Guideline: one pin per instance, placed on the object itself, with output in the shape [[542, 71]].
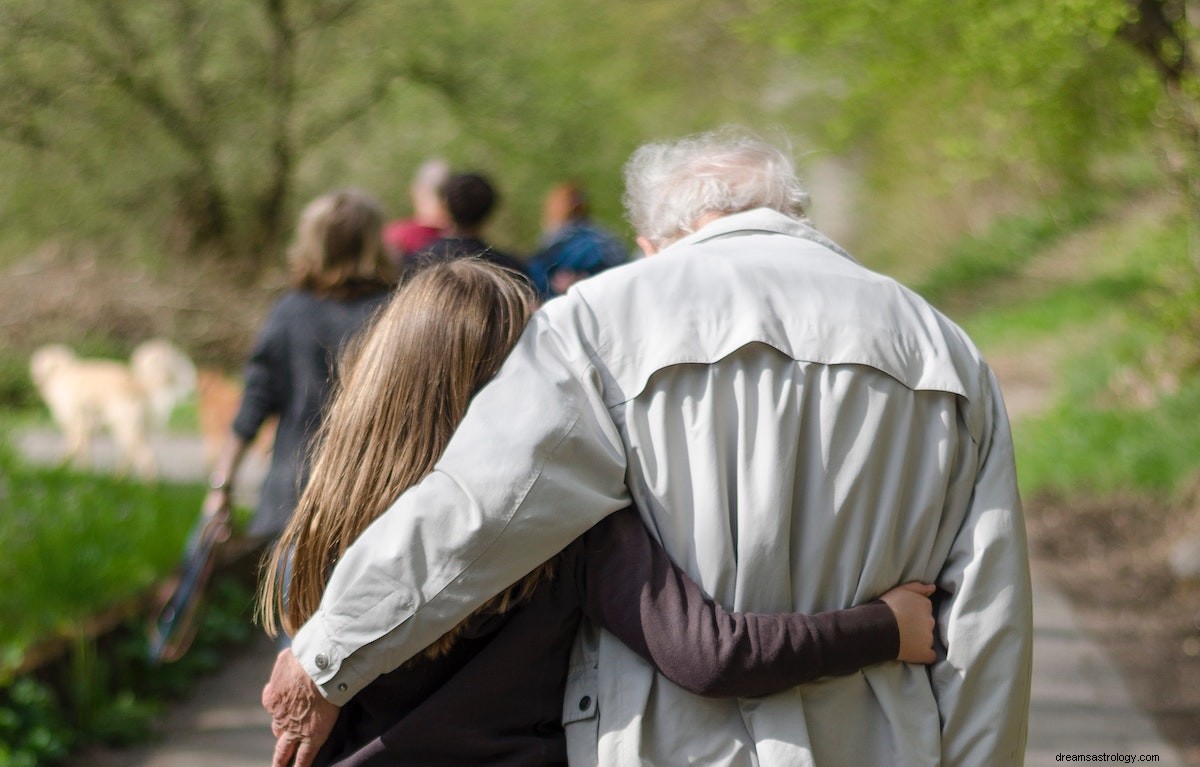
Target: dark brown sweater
[[496, 697]]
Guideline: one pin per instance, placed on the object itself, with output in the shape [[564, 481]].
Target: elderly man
[[799, 432]]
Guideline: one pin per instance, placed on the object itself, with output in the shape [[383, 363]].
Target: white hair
[[431, 174], [672, 185]]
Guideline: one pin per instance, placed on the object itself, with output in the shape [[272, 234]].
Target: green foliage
[[958, 114], [1008, 245], [75, 543], [1088, 304], [16, 387], [78, 545], [1033, 88], [32, 728], [108, 693], [1176, 306], [1084, 445], [180, 126], [1096, 437]]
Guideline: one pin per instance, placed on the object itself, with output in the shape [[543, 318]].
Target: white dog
[[86, 395]]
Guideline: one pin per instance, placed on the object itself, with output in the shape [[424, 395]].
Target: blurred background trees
[[1015, 102], [181, 129], [1032, 166], [200, 127]]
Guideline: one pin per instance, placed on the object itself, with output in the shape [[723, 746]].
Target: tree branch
[[329, 14], [321, 129], [1157, 31], [122, 70]]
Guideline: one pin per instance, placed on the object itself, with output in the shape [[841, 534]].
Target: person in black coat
[[339, 276]]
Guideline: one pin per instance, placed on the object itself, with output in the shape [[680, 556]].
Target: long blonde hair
[[403, 388]]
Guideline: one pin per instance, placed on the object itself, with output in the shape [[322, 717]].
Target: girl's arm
[[633, 589]]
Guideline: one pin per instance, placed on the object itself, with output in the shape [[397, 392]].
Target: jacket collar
[[759, 220]]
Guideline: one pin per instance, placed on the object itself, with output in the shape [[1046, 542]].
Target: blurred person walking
[[407, 237], [338, 277], [470, 200], [573, 246]]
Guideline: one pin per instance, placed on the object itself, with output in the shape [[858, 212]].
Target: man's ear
[[647, 247]]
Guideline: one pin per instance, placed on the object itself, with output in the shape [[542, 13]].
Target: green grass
[[1007, 246], [1084, 305], [1079, 446], [77, 543], [1088, 441]]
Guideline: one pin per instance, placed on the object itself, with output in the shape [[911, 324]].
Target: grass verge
[[76, 543], [1112, 423]]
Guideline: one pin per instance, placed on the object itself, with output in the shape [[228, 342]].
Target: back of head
[[672, 185], [403, 386], [470, 199], [425, 191], [563, 203], [431, 174], [337, 250]]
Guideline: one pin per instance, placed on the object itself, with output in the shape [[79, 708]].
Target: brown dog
[[217, 401]]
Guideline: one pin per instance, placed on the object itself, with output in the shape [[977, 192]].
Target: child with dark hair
[[469, 199]]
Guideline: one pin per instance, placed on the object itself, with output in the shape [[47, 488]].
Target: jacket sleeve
[[264, 377], [632, 588], [986, 619], [490, 512]]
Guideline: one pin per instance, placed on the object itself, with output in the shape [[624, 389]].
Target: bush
[[105, 691], [16, 387], [77, 546], [1007, 246], [77, 543]]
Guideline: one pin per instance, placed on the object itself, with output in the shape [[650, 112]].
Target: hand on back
[[914, 617]]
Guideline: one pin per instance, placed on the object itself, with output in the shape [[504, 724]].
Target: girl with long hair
[[491, 690]]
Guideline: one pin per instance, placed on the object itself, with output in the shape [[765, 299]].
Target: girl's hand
[[914, 617]]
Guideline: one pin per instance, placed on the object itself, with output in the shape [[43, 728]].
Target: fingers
[[924, 589], [284, 748], [305, 754]]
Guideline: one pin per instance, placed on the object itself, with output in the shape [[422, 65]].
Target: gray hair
[[431, 174], [671, 185]]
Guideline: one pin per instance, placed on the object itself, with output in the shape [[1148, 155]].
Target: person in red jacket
[[407, 237]]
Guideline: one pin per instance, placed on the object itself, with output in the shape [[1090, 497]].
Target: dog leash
[[176, 622]]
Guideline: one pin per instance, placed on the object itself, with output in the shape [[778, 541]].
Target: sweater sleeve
[[264, 376], [632, 588]]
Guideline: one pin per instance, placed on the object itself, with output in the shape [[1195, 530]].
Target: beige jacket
[[799, 432]]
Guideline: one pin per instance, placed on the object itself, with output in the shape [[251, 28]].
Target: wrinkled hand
[[914, 617], [301, 719]]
